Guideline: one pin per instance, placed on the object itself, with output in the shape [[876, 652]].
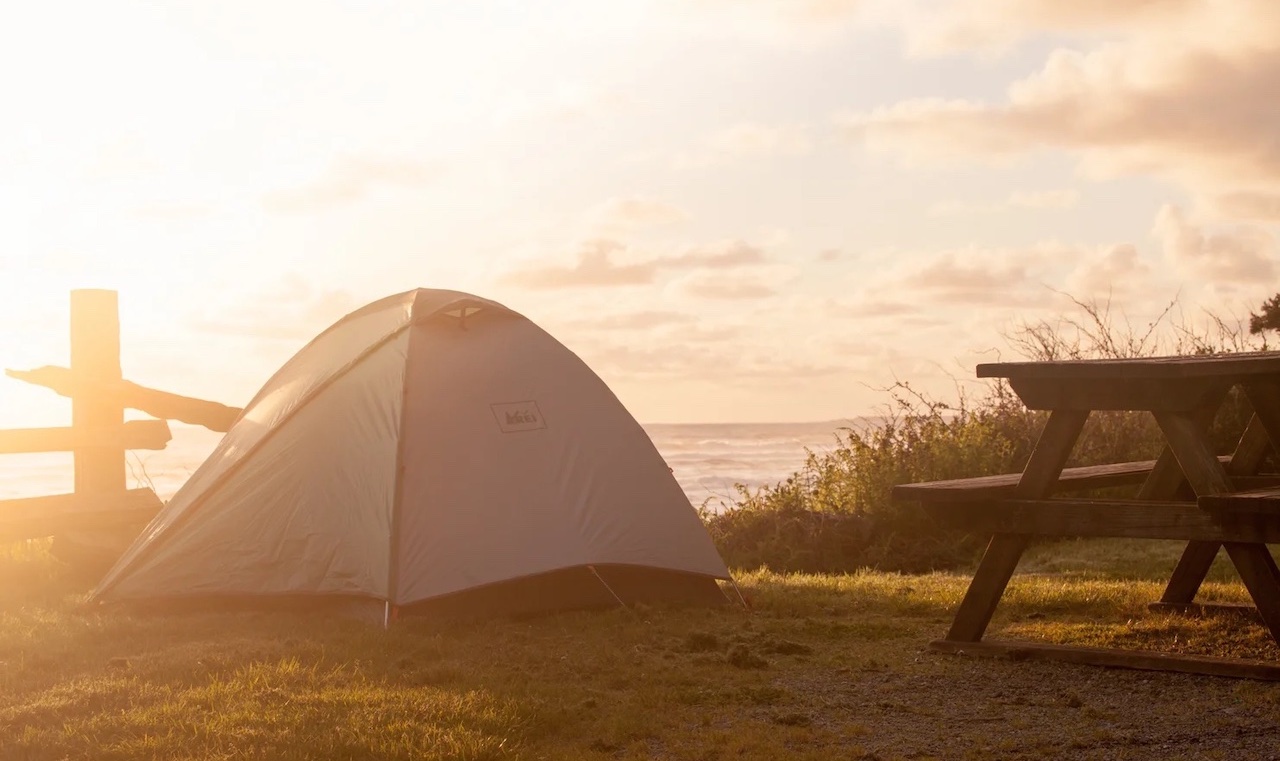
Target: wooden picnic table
[[1183, 394]]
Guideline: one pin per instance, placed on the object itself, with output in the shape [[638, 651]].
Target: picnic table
[[1188, 493]]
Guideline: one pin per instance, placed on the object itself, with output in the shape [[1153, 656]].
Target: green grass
[[782, 680]]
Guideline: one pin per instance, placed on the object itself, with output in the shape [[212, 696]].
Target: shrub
[[835, 513]]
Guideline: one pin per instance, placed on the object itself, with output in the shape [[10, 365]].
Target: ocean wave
[[706, 459]]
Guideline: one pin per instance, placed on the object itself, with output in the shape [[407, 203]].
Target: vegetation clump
[[836, 514]]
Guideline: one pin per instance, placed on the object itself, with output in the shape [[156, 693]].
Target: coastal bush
[[835, 513]]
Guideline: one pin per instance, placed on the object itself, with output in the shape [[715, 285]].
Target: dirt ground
[[947, 706]]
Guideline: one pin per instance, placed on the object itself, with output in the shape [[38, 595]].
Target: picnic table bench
[[1187, 493]]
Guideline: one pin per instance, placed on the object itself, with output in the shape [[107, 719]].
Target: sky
[[732, 210]]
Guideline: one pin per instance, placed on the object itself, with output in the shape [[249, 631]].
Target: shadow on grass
[[78, 682]]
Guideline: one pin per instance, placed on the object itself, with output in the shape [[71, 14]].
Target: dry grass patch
[[823, 666]]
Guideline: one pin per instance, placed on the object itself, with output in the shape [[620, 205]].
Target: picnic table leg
[[1185, 434], [1258, 571], [988, 585], [1265, 398], [1192, 568], [1198, 557], [1003, 552]]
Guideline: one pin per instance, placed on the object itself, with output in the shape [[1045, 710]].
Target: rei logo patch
[[515, 417]]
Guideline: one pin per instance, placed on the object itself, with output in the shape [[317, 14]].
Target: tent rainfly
[[431, 452]]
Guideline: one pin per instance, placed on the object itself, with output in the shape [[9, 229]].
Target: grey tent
[[432, 451]]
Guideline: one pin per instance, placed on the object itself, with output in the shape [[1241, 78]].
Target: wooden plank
[[1189, 573], [1242, 365], [1165, 479], [35, 517], [160, 404], [95, 359], [987, 587], [1134, 519], [1134, 394], [1186, 438], [1250, 451], [1258, 501], [1250, 483], [1052, 449], [1071, 479], [1144, 660], [1264, 395], [1197, 556], [1257, 570], [1005, 549], [134, 434]]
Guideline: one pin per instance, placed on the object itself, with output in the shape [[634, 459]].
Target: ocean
[[706, 458]]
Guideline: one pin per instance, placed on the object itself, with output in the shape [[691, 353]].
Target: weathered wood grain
[[1006, 547], [95, 359], [1133, 519], [1117, 394], [1258, 571], [134, 434], [1187, 440], [1257, 364], [161, 404], [1146, 660], [35, 517], [1071, 479]]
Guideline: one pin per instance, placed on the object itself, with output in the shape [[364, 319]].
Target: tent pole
[[386, 615]]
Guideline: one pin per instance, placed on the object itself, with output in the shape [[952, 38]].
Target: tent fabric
[[428, 444]]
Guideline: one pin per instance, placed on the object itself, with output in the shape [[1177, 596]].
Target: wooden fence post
[[95, 522], [95, 364]]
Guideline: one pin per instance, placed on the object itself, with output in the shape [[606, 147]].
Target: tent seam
[[393, 553], [213, 489]]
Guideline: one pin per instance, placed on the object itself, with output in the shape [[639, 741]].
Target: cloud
[[830, 255], [1192, 99], [636, 321], [728, 287], [1244, 254], [291, 308], [621, 214], [595, 266], [803, 23], [350, 179], [993, 26], [706, 358], [978, 276], [1042, 199], [748, 140], [1111, 270], [172, 212], [747, 283], [972, 281], [725, 254], [1244, 204], [869, 306]]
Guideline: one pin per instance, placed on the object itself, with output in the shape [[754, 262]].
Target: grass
[[823, 666]]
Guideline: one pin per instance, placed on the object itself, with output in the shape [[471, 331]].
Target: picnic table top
[[1193, 366]]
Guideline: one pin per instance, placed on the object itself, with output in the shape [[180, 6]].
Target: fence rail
[[102, 514]]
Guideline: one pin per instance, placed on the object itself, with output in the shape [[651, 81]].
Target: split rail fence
[[101, 503]]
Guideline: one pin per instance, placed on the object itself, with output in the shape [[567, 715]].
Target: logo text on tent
[[514, 417]]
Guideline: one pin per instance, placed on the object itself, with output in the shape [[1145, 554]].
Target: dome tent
[[432, 451]]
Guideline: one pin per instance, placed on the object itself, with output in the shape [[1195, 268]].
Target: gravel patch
[[945, 706]]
